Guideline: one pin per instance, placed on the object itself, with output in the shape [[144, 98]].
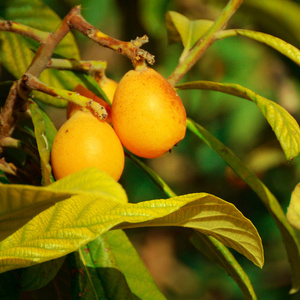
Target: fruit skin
[[147, 114], [80, 89], [109, 87], [85, 141]]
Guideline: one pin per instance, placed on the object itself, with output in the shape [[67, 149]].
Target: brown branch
[[130, 49], [13, 106]]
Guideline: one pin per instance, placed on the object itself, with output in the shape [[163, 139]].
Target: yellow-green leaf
[[293, 211], [20, 203], [180, 28], [283, 124], [288, 234], [278, 44], [74, 222]]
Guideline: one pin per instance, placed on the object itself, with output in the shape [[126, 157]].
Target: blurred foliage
[[193, 167]]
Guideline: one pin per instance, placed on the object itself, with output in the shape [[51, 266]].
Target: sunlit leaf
[[282, 17], [283, 124], [219, 254], [28, 201], [269, 200], [180, 28], [211, 247], [293, 211], [74, 222], [281, 46]]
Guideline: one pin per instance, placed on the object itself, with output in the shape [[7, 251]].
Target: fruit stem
[[33, 83], [193, 55], [88, 66]]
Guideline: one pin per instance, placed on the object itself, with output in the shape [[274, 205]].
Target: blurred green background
[[180, 271]]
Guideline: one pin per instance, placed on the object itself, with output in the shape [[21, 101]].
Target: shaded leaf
[[293, 211], [283, 124], [137, 276], [28, 201], [180, 28], [44, 146], [9, 286], [269, 200], [219, 254], [100, 277], [38, 276], [72, 223]]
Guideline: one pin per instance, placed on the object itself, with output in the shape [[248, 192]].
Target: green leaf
[[38, 276], [9, 286], [43, 143], [219, 254], [269, 200], [293, 211], [100, 277], [278, 17], [180, 28], [283, 124], [278, 44], [211, 247], [28, 201], [137, 276], [17, 51], [72, 223]]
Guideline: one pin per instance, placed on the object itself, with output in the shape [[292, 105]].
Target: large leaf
[[17, 51], [269, 200], [293, 211], [180, 28], [74, 222], [208, 245], [283, 124], [219, 254], [281, 46], [20, 203]]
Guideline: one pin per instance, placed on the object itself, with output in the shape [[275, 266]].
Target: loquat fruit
[[147, 114], [85, 141]]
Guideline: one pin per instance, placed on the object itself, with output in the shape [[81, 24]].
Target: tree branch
[[192, 56]]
